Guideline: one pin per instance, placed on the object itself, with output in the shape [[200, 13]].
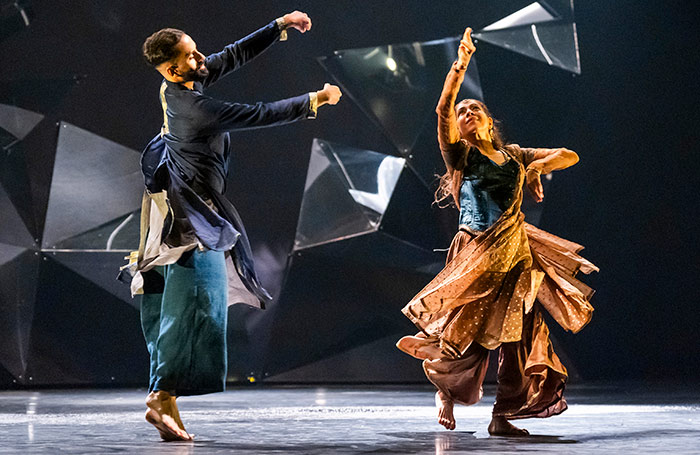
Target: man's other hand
[[297, 20], [330, 94]]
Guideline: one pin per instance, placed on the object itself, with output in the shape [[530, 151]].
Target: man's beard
[[197, 75]]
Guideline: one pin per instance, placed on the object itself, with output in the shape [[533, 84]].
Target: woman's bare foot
[[419, 347], [500, 426], [161, 414], [445, 406]]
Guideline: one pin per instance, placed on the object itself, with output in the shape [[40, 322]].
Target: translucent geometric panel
[[18, 122], [342, 295], [12, 228], [38, 95], [563, 9], [100, 268], [397, 86], [358, 364], [550, 36], [346, 193], [118, 235], [17, 185], [531, 14], [9, 252], [18, 284], [80, 332], [94, 182]]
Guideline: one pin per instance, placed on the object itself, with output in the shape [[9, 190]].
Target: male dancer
[[188, 226]]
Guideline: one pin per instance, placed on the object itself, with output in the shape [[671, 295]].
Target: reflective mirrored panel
[[554, 43], [118, 235], [562, 9], [397, 86], [12, 228], [95, 181], [16, 123], [18, 284], [346, 193]]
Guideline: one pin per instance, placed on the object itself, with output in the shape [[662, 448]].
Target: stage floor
[[346, 420]]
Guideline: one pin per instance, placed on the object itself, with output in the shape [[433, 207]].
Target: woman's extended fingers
[[466, 43], [467, 35]]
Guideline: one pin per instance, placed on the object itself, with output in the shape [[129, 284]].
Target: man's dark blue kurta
[[190, 160]]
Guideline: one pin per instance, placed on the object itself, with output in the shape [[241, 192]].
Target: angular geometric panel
[[534, 13], [17, 121], [359, 364], [397, 86], [343, 295], [18, 288], [543, 31], [563, 9], [413, 217], [82, 334], [12, 228], [553, 43], [94, 181], [100, 268], [17, 185], [38, 95], [121, 234], [9, 252], [346, 193]]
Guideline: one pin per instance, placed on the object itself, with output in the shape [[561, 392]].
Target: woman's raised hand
[[466, 49]]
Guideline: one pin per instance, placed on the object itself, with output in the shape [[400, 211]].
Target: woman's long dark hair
[[451, 181]]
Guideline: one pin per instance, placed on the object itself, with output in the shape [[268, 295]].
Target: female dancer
[[497, 266]]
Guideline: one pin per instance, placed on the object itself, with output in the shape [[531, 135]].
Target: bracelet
[[458, 68], [282, 26], [539, 171]]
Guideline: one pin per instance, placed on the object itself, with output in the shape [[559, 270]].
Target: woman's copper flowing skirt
[[485, 298]]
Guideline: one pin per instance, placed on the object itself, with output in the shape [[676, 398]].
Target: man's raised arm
[[244, 50]]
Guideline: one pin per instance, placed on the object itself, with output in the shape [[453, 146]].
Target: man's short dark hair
[[160, 46]]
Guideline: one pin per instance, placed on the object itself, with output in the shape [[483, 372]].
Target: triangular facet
[[101, 268], [413, 217], [82, 334], [397, 86], [358, 364], [335, 299], [94, 181], [39, 95], [534, 13], [554, 43], [17, 121], [562, 9], [9, 252], [120, 234], [18, 187], [12, 228], [346, 193], [18, 284]]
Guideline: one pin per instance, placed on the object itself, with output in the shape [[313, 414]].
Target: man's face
[[189, 63]]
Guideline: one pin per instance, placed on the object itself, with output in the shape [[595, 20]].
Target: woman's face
[[472, 120]]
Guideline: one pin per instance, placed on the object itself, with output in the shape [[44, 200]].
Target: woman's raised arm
[[448, 134]]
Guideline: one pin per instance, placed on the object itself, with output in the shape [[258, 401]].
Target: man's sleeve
[[226, 116], [241, 52]]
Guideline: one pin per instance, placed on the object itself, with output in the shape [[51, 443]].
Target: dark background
[[631, 116]]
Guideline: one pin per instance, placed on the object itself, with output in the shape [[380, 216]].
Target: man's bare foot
[[161, 415], [445, 406], [419, 347], [176, 416], [500, 426]]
